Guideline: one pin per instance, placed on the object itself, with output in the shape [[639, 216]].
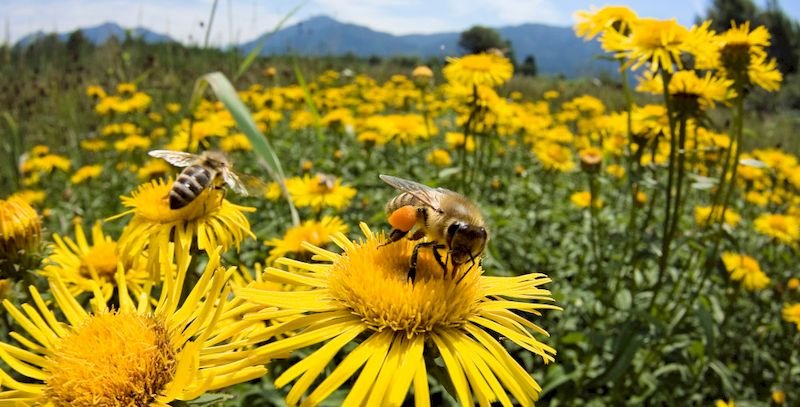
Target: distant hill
[[557, 50], [102, 33]]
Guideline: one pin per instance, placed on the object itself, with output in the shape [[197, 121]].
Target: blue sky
[[241, 20]]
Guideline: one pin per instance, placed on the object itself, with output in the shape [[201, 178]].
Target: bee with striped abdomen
[[450, 221], [210, 169]]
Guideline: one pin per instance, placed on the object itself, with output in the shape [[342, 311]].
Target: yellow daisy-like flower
[[791, 313], [84, 266], [723, 403], [134, 355], [317, 233], [486, 69], [583, 199], [207, 221], [94, 145], [691, 93], [455, 140], [364, 292], [439, 157], [658, 43], [20, 230], [554, 157], [86, 172], [743, 57], [29, 196], [784, 228], [155, 168], [320, 191], [594, 22], [746, 270], [702, 216]]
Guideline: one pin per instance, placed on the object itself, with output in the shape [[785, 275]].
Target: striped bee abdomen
[[402, 200], [189, 184]]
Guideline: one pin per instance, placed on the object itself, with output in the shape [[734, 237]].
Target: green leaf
[[256, 51], [623, 299], [210, 399], [724, 375], [309, 102], [266, 154]]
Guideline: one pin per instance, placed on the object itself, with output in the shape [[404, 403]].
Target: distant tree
[[76, 44], [480, 39], [722, 12], [528, 67], [785, 42]]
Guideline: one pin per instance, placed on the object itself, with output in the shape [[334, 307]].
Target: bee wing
[[233, 181], [427, 195], [176, 158], [244, 184]]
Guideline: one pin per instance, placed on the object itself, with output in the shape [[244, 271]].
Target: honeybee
[[210, 169], [450, 221]]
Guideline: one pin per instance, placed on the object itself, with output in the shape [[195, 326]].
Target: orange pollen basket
[[403, 218]]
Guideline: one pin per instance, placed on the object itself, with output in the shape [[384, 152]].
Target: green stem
[[663, 261]]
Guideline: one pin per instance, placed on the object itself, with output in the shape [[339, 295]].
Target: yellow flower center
[[660, 34], [478, 62], [102, 258], [371, 280], [152, 203], [779, 224], [113, 359]]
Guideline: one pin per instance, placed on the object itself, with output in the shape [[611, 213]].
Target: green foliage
[[479, 39]]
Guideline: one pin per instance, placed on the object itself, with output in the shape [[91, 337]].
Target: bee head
[[465, 241]]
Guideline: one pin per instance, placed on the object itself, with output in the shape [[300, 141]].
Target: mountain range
[[557, 50]]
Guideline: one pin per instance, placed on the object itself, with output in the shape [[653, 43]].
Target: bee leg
[[464, 274], [417, 235], [412, 269], [438, 257], [394, 236]]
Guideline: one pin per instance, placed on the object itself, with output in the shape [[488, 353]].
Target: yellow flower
[[791, 313], [95, 91], [554, 157], [133, 142], [591, 159], [723, 403], [320, 191], [20, 231], [616, 18], [702, 215], [793, 283], [84, 266], [746, 270], [778, 396], [756, 198], [658, 43], [641, 198], [455, 140], [126, 87], [209, 218], [743, 57], [236, 142], [691, 93], [153, 169], [317, 233], [439, 158], [133, 355], [365, 292], [582, 199], [616, 171], [94, 145], [29, 196], [86, 172], [486, 69], [551, 94], [784, 228], [173, 107]]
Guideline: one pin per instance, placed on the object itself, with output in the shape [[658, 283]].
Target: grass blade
[[255, 52], [226, 94], [309, 101]]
